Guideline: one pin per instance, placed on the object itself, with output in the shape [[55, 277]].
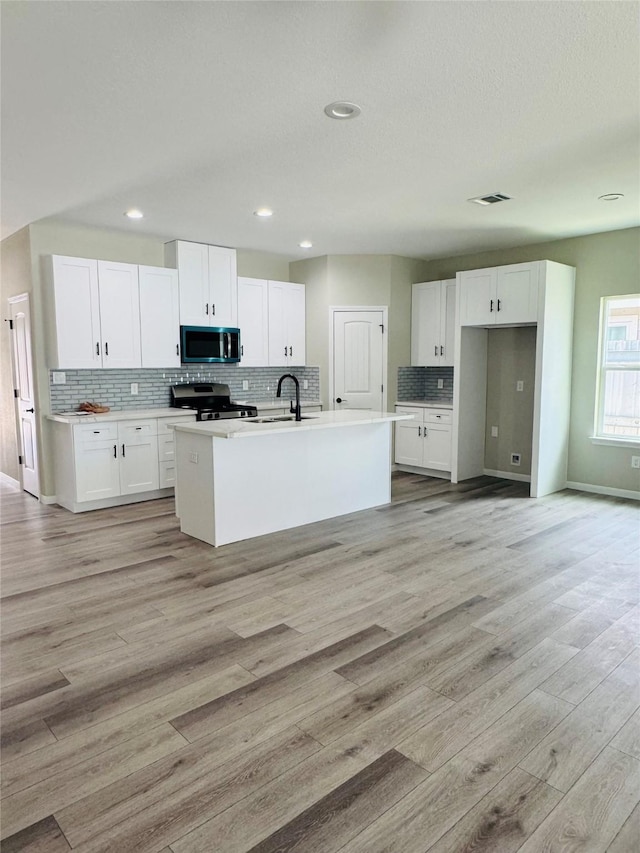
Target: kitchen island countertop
[[118, 415], [425, 404]]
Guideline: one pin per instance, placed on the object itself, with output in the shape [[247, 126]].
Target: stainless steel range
[[210, 400]]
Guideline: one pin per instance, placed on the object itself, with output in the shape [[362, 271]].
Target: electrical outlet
[[515, 458], [58, 377], [635, 461], [440, 383], [494, 432], [134, 387], [520, 385], [193, 457], [245, 384], [305, 384]]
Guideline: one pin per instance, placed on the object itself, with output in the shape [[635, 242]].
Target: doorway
[[358, 351], [23, 383]]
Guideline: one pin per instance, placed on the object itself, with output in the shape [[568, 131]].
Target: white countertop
[[241, 428], [119, 415], [425, 404]]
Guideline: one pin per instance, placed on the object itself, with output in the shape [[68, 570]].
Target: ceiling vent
[[492, 198]]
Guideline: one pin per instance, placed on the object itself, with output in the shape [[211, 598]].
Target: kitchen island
[[246, 477]]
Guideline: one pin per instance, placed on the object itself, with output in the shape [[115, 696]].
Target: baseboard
[[508, 475], [605, 490], [9, 480], [424, 472], [48, 499]]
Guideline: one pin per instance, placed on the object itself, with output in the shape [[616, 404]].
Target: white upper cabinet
[[75, 333], [97, 313], [287, 338], [159, 317], [119, 314], [208, 283], [433, 306], [500, 296], [253, 320]]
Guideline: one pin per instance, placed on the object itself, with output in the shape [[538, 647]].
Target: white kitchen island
[[237, 478]]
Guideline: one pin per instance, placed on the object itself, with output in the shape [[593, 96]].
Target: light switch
[[440, 383], [520, 385], [305, 384], [245, 384], [134, 387], [58, 377], [193, 457], [494, 432]]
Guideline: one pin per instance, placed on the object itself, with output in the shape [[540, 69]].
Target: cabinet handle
[[241, 349], [206, 308], [285, 352], [441, 350], [123, 453], [138, 427], [491, 307], [213, 309], [498, 304], [419, 432], [424, 433], [435, 350], [97, 349], [290, 350], [106, 349], [115, 451], [177, 349]]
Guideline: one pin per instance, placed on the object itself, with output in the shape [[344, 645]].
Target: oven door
[[207, 344]]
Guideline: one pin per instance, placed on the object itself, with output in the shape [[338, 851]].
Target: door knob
[[340, 400], [29, 410]]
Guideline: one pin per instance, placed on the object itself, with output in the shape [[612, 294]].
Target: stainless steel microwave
[[206, 344]]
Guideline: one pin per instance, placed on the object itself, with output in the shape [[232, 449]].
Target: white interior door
[[25, 392], [359, 357]]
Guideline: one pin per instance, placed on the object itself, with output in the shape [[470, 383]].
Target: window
[[618, 391]]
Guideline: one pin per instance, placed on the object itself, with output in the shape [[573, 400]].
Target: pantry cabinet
[[433, 312], [287, 338], [499, 296], [159, 317], [95, 313], [207, 282], [253, 321], [424, 442]]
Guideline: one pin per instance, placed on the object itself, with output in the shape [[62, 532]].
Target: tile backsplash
[[113, 387], [421, 383]]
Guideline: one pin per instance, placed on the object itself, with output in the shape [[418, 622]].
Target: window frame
[[599, 436]]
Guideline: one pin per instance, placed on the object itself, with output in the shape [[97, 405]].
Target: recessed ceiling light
[[306, 244], [342, 109], [610, 196], [134, 213], [263, 211]]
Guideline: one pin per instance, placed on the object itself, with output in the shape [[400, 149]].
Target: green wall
[[606, 264]]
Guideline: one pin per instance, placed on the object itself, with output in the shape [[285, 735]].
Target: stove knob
[[217, 414]]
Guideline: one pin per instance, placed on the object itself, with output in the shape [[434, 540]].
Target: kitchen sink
[[277, 419]]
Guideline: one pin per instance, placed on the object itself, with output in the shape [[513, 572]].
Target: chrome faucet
[[294, 411]]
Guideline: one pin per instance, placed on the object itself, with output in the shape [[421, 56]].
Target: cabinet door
[[447, 321], [159, 317], [437, 447], [278, 343], [77, 313], [119, 314], [253, 320], [296, 324], [408, 435], [223, 287], [138, 446], [517, 294], [477, 296], [97, 470], [425, 324], [192, 261]]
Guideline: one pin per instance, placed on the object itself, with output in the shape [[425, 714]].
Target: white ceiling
[[200, 112]]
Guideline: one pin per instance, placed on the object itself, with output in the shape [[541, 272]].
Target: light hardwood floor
[[458, 671]]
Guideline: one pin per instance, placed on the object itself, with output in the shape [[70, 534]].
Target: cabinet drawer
[[167, 474], [86, 433], [437, 416], [166, 448], [405, 410], [132, 432]]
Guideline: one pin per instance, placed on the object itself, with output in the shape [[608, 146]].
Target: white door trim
[[333, 310]]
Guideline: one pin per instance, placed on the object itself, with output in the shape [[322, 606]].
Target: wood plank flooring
[[457, 672]]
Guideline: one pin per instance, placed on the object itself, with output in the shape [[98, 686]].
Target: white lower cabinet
[[112, 463], [424, 442]]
